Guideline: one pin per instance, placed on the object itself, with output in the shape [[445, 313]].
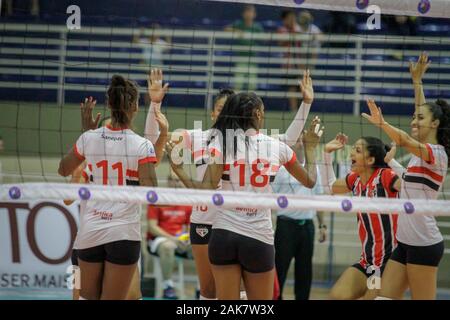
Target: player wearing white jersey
[[108, 239], [84, 175], [241, 242], [414, 263], [195, 141]]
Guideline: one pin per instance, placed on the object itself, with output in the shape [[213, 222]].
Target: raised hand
[[337, 143], [376, 116], [418, 69], [87, 120], [391, 153], [156, 90], [174, 154], [162, 121], [311, 137], [306, 87]]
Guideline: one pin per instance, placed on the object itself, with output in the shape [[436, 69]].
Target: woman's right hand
[[162, 122], [306, 88], [156, 90], [418, 69], [391, 153], [337, 143], [174, 156], [87, 119]]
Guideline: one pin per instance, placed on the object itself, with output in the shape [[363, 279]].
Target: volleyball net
[[219, 199], [48, 68]]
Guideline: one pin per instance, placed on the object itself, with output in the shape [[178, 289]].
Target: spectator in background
[[167, 227], [402, 26], [153, 47], [32, 6], [305, 20], [291, 67], [246, 72], [294, 233]]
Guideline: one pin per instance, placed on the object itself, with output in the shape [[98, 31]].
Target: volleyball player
[[195, 140], [415, 261], [369, 177], [108, 240], [83, 174], [241, 242]]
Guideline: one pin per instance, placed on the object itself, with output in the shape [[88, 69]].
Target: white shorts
[[154, 244]]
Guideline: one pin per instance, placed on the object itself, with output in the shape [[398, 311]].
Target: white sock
[[243, 295], [205, 298], [382, 298], [168, 283], [81, 298]]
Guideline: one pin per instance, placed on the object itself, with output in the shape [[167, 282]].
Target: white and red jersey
[[422, 180], [113, 157], [257, 161], [377, 232], [196, 141]]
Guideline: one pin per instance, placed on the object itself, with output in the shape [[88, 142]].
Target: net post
[[210, 73], [61, 67], [358, 72]]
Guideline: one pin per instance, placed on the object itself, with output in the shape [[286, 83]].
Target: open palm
[[311, 138], [418, 69], [306, 87], [156, 90], [88, 122], [337, 143], [376, 116]]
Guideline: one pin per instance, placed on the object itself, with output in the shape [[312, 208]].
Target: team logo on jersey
[[201, 231]]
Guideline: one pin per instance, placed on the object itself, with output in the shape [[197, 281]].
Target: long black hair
[[377, 149], [237, 114], [441, 111]]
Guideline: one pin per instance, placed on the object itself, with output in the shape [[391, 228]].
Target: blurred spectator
[[246, 72], [294, 233], [291, 68], [307, 26], [10, 7], [401, 26], [166, 236], [153, 47]]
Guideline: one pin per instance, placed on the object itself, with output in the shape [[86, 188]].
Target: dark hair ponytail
[[237, 113], [225, 92], [377, 149], [122, 95], [441, 111]]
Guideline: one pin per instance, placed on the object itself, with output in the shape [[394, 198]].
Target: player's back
[[113, 156], [256, 162]]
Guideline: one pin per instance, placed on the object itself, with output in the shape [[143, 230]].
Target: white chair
[[178, 281]]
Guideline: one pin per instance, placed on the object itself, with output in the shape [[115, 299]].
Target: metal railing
[[199, 61]]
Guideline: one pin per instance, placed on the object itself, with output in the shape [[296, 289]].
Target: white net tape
[[220, 198]]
